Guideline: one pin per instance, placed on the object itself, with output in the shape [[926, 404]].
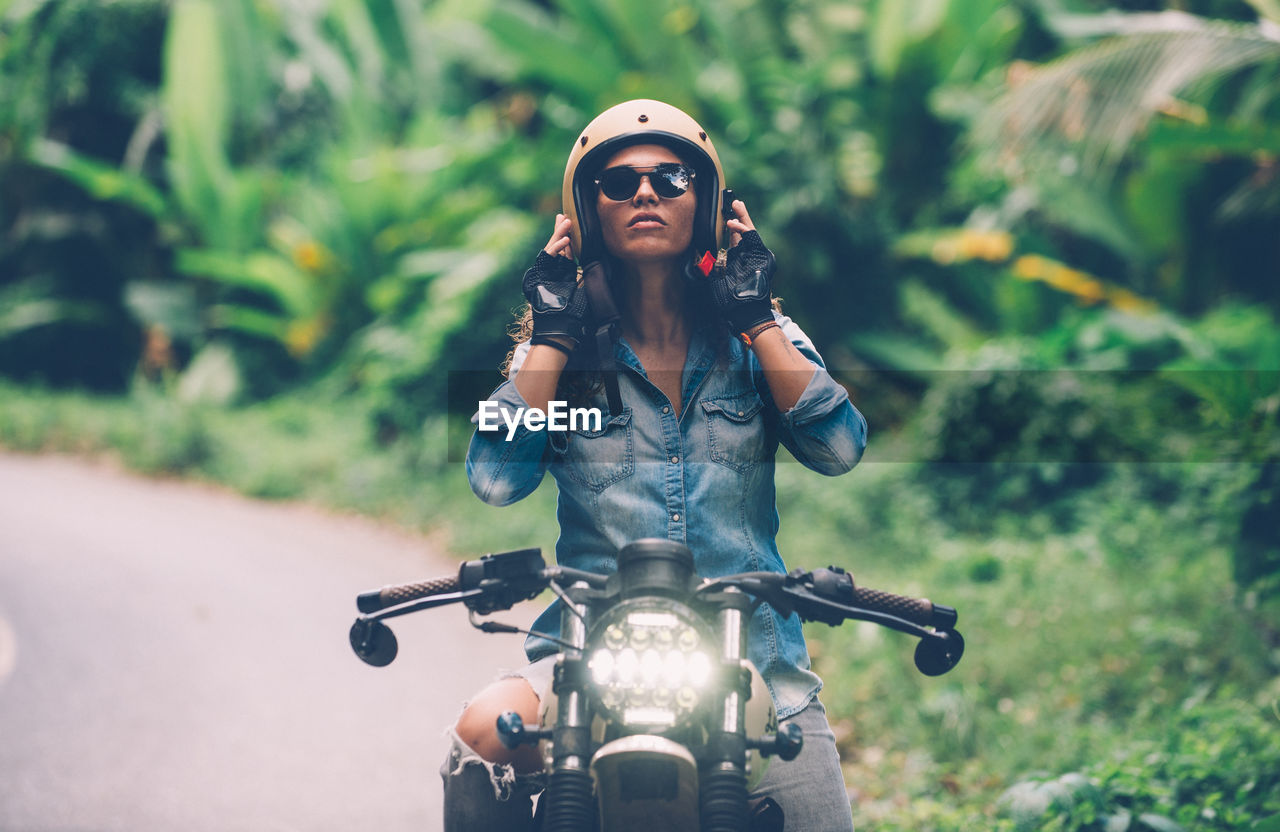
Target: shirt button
[[666, 409], [740, 413], [675, 459], [675, 518]]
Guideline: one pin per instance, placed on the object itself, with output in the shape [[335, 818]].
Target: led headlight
[[649, 662]]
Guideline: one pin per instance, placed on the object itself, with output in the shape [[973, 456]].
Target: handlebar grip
[[389, 596], [916, 610]]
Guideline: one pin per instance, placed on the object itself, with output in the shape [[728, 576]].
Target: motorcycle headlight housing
[[650, 662]]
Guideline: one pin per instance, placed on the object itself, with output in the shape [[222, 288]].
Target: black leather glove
[[742, 290], [559, 304]]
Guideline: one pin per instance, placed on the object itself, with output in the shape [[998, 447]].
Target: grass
[[1094, 645], [1115, 677], [299, 447]]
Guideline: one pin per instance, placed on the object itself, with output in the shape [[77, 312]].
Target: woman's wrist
[[563, 343], [539, 376], [750, 335]]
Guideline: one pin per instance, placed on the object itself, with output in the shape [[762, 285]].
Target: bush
[[1216, 768]]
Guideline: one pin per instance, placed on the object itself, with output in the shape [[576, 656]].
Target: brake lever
[[812, 607], [423, 604], [939, 650], [940, 647]]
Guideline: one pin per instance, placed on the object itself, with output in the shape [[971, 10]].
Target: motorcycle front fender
[[646, 783]]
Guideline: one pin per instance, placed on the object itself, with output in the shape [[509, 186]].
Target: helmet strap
[[605, 312]]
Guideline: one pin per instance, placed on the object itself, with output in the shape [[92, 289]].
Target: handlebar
[[499, 581], [829, 595], [834, 584], [389, 596], [502, 579], [917, 610]]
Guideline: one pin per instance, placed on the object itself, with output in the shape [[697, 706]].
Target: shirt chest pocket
[[599, 458], [735, 430]]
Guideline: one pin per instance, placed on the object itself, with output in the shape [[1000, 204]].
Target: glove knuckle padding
[[557, 301], [753, 287], [751, 253], [548, 268], [743, 288]]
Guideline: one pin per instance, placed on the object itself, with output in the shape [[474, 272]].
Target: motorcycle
[[655, 715]]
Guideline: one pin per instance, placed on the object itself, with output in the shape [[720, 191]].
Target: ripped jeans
[[810, 789], [482, 795]]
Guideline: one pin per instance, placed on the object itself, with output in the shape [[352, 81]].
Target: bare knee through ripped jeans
[[479, 794]]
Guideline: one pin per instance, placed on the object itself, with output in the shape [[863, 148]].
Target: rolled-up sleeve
[[823, 431], [506, 465]]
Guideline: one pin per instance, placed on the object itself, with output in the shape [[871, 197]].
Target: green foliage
[[1217, 767], [197, 125], [1019, 420], [152, 433], [1142, 60], [1256, 562], [100, 181], [169, 436], [346, 154], [1104, 636], [75, 227], [1155, 184]]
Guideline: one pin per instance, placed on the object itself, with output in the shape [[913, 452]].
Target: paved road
[[174, 657]]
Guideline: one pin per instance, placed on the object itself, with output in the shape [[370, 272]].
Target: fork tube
[[570, 800], [723, 787], [573, 713], [732, 647]]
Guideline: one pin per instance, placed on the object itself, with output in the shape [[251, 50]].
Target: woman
[[709, 379]]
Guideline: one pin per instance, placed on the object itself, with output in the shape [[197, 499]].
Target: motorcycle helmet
[[642, 121]]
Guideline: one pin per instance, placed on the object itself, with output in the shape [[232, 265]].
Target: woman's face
[[646, 227]]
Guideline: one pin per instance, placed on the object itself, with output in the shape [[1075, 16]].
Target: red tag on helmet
[[706, 264]]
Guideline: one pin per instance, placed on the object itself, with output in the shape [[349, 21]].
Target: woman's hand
[[560, 242], [558, 303], [740, 224], [743, 288]]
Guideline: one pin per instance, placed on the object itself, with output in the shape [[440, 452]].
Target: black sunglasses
[[668, 180]]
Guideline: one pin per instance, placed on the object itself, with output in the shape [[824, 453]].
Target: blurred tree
[[80, 74], [350, 189], [1169, 126]]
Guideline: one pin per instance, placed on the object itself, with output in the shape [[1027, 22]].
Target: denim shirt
[[704, 479]]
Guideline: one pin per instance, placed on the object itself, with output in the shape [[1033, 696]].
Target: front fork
[[723, 786], [571, 805], [569, 796]]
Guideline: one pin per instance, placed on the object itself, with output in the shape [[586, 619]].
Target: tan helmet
[[643, 121]]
